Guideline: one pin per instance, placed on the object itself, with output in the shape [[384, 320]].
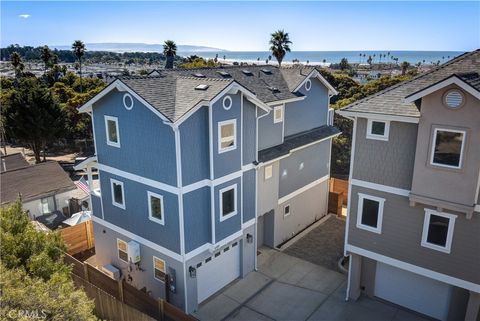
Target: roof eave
[[400, 118], [315, 73]]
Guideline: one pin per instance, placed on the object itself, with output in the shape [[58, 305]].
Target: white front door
[[413, 291], [218, 270]]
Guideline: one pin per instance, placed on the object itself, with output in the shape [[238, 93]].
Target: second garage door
[[413, 291], [218, 270]]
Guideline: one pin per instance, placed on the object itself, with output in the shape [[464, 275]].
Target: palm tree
[[170, 51], [78, 48], [17, 63], [46, 55], [279, 45]]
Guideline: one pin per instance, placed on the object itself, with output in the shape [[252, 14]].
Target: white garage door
[[412, 291], [217, 272]]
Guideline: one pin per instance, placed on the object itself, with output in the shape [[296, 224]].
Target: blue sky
[[247, 25]]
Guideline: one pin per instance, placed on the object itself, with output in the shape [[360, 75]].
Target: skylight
[[266, 71], [201, 87], [273, 89], [199, 75], [247, 72], [223, 73]]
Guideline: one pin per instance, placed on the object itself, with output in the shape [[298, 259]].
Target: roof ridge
[[31, 166], [204, 78], [381, 92]]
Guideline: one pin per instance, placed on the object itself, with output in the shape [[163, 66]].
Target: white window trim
[[451, 226], [118, 250], [289, 210], [275, 120], [109, 142], [308, 85], [219, 134], [225, 99], [125, 96], [385, 135], [112, 181], [164, 267], [381, 203], [432, 151], [220, 200], [150, 216], [265, 172]]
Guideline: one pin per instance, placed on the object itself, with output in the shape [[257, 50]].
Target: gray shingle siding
[[402, 233], [386, 162]]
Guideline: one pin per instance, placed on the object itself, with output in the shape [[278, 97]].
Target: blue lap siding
[[232, 224], [197, 217]]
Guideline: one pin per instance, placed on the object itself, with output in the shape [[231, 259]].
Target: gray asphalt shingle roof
[[295, 75], [390, 101], [13, 161], [34, 181], [174, 95]]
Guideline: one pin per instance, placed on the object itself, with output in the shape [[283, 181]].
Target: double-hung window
[[118, 194], [111, 127], [122, 249], [438, 230], [227, 140], [155, 208], [277, 114], [370, 213], [228, 202], [159, 269], [378, 129], [447, 148]]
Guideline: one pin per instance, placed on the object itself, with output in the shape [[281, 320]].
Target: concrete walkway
[[289, 288]]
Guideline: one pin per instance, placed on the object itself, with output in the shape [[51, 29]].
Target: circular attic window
[[454, 99], [227, 102], [308, 85], [128, 101]]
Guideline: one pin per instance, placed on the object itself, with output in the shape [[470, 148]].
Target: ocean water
[[318, 57]]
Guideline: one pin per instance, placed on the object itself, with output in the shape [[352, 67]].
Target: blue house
[[199, 168]]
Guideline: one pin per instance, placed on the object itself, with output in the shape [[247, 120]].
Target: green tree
[[33, 276], [33, 116], [280, 45], [405, 65], [17, 63], [78, 48], [170, 51], [344, 65], [46, 56]]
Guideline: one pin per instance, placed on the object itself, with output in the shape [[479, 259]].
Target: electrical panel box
[[111, 271], [133, 252]]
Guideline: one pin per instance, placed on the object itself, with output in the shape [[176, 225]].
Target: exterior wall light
[[192, 271]]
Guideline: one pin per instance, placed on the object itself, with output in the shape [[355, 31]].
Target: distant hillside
[[137, 47]]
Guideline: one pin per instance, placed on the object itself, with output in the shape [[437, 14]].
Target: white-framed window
[[118, 193], [268, 171], [48, 204], [159, 269], [155, 208], [227, 103], [378, 129], [286, 210], [370, 213], [228, 202], [438, 229], [227, 139], [308, 85], [111, 128], [447, 148], [277, 114], [122, 249]]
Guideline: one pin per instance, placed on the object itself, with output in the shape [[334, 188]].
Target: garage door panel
[[412, 291], [218, 272]]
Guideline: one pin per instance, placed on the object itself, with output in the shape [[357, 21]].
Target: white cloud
[[24, 16]]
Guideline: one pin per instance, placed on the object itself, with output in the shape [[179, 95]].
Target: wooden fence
[[118, 300], [340, 186], [78, 238]]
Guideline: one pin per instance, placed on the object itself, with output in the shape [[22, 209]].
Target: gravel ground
[[322, 246]]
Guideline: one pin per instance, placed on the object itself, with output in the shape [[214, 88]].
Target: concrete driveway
[[289, 288]]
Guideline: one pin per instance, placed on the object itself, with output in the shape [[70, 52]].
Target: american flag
[[82, 184]]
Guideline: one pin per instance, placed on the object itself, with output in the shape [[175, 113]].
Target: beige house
[[413, 226]]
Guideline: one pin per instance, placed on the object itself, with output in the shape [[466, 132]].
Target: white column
[[90, 178]]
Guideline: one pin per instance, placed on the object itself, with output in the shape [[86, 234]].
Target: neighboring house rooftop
[[390, 101], [13, 161], [34, 182], [298, 140]]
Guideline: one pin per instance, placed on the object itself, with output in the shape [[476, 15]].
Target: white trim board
[[380, 187], [139, 239], [303, 189], [314, 73], [446, 82], [404, 119], [414, 268]]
